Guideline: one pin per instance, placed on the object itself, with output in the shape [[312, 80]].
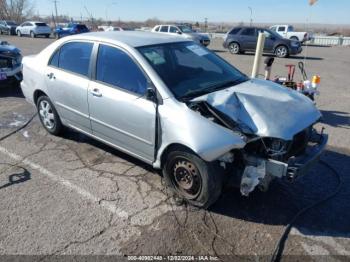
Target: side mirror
[[179, 32], [151, 94]]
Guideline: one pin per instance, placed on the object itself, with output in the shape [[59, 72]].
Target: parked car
[[287, 31], [184, 31], [177, 106], [8, 27], [10, 64], [242, 39], [71, 29], [33, 29]]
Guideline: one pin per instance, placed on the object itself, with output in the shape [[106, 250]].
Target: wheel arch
[[173, 147], [38, 93]]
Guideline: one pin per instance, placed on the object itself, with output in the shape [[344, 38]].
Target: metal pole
[[258, 54], [55, 2], [251, 15]]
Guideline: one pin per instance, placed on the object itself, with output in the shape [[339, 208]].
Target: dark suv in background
[[241, 39], [8, 27]]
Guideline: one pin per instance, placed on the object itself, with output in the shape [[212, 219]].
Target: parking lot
[[72, 195]]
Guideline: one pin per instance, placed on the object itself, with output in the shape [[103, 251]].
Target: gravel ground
[[71, 195]]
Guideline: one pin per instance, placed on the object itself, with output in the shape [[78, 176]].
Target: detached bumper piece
[[260, 172], [298, 166]]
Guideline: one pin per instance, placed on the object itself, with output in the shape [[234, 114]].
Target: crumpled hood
[[6, 48], [265, 108]]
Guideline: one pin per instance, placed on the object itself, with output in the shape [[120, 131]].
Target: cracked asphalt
[[72, 195]]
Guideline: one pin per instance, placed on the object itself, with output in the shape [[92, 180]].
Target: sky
[[263, 11]]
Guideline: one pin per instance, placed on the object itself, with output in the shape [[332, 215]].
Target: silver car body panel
[[178, 124], [265, 109]]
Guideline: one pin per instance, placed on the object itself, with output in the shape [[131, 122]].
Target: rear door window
[[249, 32], [116, 68], [235, 31], [75, 57], [164, 29]]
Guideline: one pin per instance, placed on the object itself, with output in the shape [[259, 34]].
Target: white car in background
[[33, 29], [185, 31], [287, 31], [113, 28]]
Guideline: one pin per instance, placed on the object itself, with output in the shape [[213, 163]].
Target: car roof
[[131, 38]]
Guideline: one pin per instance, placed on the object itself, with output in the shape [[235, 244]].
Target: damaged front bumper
[[259, 172]]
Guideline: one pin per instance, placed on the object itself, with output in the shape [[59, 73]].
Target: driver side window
[[116, 68], [173, 29]]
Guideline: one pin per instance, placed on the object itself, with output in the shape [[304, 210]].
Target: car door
[[67, 78], [119, 111], [248, 38], [282, 30], [22, 28], [27, 27], [269, 40]]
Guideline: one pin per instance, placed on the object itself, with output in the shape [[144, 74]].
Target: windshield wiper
[[195, 93]]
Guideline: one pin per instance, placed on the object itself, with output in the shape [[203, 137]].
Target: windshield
[[185, 29], [190, 70]]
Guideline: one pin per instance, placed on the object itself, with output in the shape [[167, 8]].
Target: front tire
[[192, 179], [32, 35], [48, 115], [282, 51], [19, 33], [234, 48]]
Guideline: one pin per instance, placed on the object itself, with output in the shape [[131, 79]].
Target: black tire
[[205, 185], [0, 32], [234, 48], [282, 51], [32, 35], [294, 38], [47, 36], [56, 126], [57, 36], [19, 33]]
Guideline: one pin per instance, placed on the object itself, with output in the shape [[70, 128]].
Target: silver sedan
[[177, 106]]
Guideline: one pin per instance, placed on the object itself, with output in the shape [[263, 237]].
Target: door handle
[[51, 76], [96, 92]]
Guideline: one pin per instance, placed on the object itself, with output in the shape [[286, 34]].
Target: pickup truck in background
[[287, 31]]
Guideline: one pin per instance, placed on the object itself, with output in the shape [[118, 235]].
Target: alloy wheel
[[46, 114]]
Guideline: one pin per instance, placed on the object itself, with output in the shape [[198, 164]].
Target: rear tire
[[19, 33], [47, 36], [32, 35], [192, 179], [234, 48], [48, 115]]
